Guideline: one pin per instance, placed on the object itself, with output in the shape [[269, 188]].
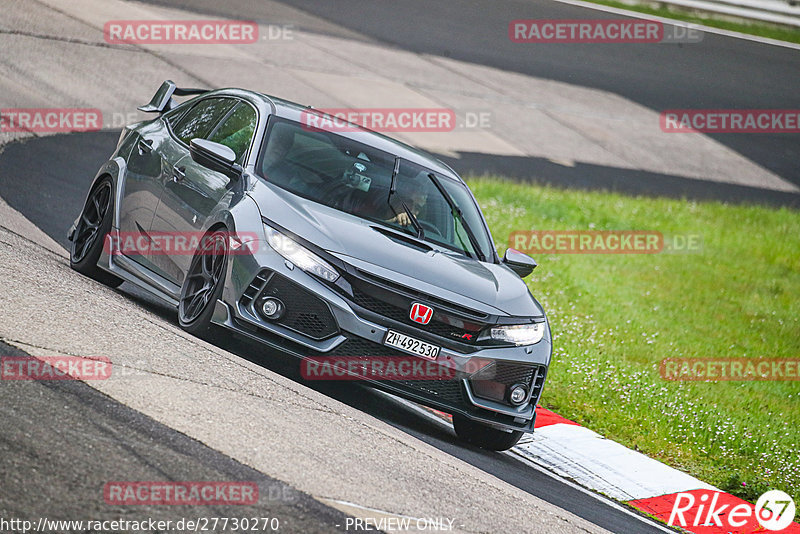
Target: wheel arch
[[114, 169]]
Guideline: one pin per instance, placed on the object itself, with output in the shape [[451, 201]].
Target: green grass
[[781, 33], [615, 317]]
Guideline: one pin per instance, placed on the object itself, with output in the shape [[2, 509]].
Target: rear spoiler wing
[[162, 101]]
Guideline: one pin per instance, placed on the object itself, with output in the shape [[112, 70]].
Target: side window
[[174, 115], [236, 131], [199, 120]]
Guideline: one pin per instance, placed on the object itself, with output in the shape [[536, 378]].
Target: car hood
[[485, 287]]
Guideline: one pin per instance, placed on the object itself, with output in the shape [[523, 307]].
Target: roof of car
[[294, 111]]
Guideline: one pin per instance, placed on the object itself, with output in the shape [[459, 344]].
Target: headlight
[[300, 256], [522, 334]]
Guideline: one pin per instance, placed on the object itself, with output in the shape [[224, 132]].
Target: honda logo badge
[[420, 313]]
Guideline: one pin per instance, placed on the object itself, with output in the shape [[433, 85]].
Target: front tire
[[93, 226], [203, 285], [483, 436]]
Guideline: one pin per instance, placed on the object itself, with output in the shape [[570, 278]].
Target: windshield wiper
[[414, 222], [457, 211], [392, 190], [392, 186]]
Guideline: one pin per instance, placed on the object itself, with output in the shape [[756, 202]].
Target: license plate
[[411, 345]]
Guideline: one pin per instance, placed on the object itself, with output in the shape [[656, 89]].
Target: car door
[[151, 157], [194, 192]]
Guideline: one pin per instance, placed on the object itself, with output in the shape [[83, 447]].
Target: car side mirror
[[519, 262], [216, 157]]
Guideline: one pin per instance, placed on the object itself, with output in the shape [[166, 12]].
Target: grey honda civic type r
[[327, 243]]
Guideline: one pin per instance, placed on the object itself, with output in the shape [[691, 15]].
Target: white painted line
[[740, 11], [604, 465], [773, 6], [674, 22]]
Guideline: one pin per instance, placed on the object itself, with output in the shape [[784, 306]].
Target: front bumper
[[320, 322]]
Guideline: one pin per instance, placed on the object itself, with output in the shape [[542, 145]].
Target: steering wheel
[[428, 226]]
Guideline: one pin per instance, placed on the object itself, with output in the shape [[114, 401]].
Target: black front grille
[[446, 390], [396, 305], [378, 306], [397, 313], [304, 312], [376, 281], [357, 347]]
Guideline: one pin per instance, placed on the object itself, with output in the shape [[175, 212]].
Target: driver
[[414, 198], [412, 192]]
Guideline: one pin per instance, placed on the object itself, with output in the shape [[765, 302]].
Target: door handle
[[178, 174], [145, 146]]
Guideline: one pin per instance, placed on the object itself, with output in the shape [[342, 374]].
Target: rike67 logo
[[774, 511]]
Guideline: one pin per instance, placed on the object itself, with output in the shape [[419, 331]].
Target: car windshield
[[371, 184]]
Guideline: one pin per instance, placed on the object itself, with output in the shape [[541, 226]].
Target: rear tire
[[203, 285], [93, 226], [483, 436]]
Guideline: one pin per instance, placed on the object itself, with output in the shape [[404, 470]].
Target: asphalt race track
[[103, 434]]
